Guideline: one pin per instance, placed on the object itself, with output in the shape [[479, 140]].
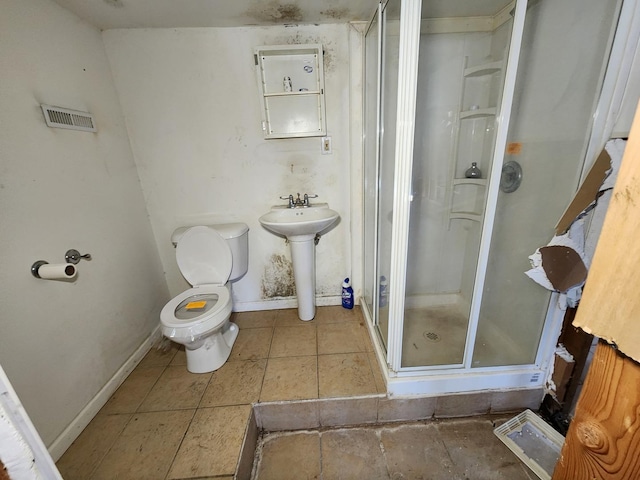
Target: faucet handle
[[307, 197], [290, 199]]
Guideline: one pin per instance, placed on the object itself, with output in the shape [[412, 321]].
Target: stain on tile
[[175, 389], [265, 318], [290, 415], [293, 341], [348, 411], [180, 358], [146, 447], [338, 314], [341, 338], [252, 344], [160, 355], [353, 453], [235, 383], [290, 457], [345, 374], [86, 452], [212, 444], [133, 390], [289, 318], [290, 378]]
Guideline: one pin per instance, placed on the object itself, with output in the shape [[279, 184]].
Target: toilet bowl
[[209, 257]]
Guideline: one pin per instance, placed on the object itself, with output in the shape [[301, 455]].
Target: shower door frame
[[443, 379]]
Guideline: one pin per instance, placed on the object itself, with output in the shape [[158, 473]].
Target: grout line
[[117, 437], [181, 442]]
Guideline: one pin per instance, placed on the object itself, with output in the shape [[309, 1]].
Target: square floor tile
[[235, 383], [345, 374], [133, 390], [417, 452], [212, 443], [293, 341], [289, 318], [146, 447], [252, 344], [338, 314], [160, 355], [290, 378], [264, 319], [180, 358], [86, 452], [353, 453], [177, 388], [341, 338], [290, 457]]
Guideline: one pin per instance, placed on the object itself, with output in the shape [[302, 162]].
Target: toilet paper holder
[[74, 256], [61, 272]]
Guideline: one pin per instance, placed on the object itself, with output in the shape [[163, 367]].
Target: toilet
[[209, 258]]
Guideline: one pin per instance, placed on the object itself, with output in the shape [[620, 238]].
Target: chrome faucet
[[299, 202], [291, 202]]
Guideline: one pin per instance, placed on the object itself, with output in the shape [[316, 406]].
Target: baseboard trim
[[282, 303], [78, 424]]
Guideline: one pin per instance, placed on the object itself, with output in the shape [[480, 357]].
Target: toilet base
[[214, 351]]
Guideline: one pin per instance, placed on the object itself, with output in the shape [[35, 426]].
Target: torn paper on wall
[[561, 266]]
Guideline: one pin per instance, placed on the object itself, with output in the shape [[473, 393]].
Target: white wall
[[190, 99], [59, 189]]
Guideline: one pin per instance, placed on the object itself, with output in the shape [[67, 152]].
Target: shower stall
[[477, 120]]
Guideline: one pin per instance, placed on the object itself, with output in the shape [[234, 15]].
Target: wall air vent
[[57, 117]]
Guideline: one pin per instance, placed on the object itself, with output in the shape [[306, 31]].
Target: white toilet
[[209, 257]]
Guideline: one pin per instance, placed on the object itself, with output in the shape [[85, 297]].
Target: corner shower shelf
[[478, 113], [484, 69], [475, 217], [470, 181]]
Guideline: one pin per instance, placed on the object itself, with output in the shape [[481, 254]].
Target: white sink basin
[[296, 221]]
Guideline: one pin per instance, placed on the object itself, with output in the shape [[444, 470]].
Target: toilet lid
[[204, 257]]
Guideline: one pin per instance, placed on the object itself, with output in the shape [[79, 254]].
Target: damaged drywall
[[563, 264]]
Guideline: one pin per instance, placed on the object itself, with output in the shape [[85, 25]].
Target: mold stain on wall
[[275, 12], [277, 279]]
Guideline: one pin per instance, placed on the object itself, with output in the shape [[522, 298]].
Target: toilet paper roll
[[57, 271]]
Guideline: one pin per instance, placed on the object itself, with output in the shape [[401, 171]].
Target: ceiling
[[107, 14]]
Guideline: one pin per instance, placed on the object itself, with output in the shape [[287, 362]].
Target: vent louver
[[57, 117]]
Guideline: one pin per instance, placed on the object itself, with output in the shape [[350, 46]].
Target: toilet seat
[[198, 324], [204, 257]]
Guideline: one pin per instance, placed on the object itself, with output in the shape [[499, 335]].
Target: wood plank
[[610, 306], [603, 440]]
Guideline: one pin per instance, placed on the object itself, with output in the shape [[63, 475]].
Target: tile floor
[[166, 423], [438, 450]]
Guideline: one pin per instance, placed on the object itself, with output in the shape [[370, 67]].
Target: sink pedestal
[[303, 257], [300, 225]]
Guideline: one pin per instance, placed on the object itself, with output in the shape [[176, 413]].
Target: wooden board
[[603, 440], [610, 305]]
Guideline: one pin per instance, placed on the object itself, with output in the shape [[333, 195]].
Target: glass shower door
[[380, 157], [461, 73]]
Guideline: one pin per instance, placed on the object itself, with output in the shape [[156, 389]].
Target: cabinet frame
[[300, 110]]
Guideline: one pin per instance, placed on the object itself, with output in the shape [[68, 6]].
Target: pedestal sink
[[300, 225]]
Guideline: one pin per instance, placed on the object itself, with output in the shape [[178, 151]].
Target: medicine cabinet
[[291, 83]]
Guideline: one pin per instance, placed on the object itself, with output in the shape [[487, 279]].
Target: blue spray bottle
[[347, 294]]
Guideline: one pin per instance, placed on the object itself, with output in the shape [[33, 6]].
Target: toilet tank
[[237, 237]]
